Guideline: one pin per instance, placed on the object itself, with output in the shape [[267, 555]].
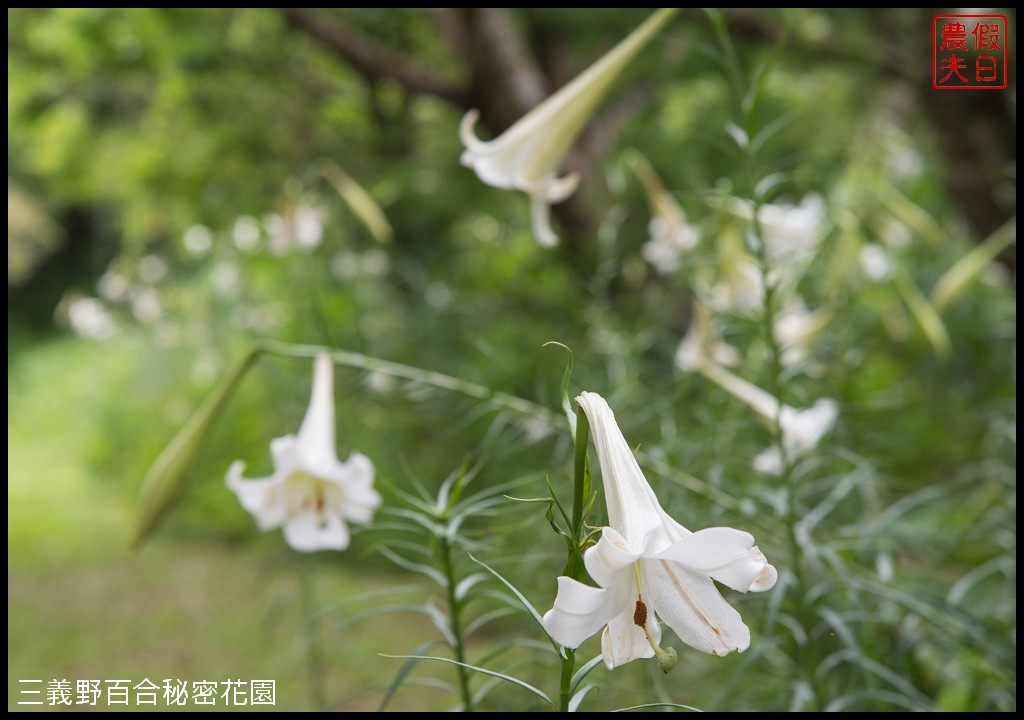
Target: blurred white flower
[[113, 286], [896, 234], [737, 284], [791, 231], [349, 265], [671, 236], [700, 345], [198, 240], [875, 263], [529, 154], [226, 278], [152, 269], [671, 239], [795, 330], [300, 227], [246, 233], [146, 305], [88, 316], [648, 566], [801, 430], [311, 494]]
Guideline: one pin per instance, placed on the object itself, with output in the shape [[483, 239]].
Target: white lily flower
[[529, 154], [795, 330], [672, 236], [875, 263], [701, 345], [311, 493], [649, 566], [801, 430], [738, 286], [792, 231]]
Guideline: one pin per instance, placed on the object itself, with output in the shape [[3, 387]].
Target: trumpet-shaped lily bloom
[[671, 235], [529, 154], [648, 566], [700, 345], [796, 330], [311, 494], [801, 430], [792, 230]]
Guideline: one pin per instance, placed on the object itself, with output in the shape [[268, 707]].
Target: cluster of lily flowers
[[647, 568], [646, 565], [528, 157]]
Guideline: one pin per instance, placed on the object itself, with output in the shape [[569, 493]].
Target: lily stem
[[805, 658], [575, 567], [455, 614]]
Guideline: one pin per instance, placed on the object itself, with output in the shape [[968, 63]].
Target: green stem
[[455, 613], [580, 487], [575, 568], [408, 372], [481, 392], [806, 659], [565, 687], [311, 642]]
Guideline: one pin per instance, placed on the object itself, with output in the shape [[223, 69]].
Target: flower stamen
[[666, 656], [640, 614]]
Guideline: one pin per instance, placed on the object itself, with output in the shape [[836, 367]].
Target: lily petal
[[802, 430], [633, 508], [606, 560], [725, 554], [624, 641], [255, 495], [308, 531], [360, 500], [579, 612], [315, 441], [690, 604]]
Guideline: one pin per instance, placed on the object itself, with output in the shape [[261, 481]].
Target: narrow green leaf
[[566, 402], [584, 671], [362, 205], [519, 596], [911, 214], [576, 699], [647, 706], [413, 566], [483, 671], [955, 280], [924, 312], [486, 618], [545, 500], [555, 502], [403, 671]]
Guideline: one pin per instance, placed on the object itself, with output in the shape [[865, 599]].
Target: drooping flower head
[[311, 494], [529, 155], [801, 430], [648, 566], [701, 345], [672, 237], [792, 230], [796, 330]]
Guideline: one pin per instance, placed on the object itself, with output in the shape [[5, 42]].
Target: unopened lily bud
[[667, 659]]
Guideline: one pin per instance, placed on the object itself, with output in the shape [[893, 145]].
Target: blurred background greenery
[[179, 185]]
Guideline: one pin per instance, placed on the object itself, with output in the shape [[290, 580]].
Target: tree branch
[[370, 59], [506, 83]]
